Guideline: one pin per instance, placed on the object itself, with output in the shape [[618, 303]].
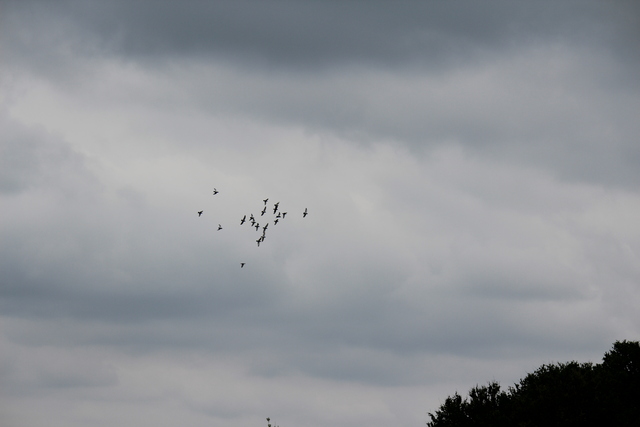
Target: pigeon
[[244, 218], [219, 227], [242, 264], [304, 213], [215, 191], [200, 213]]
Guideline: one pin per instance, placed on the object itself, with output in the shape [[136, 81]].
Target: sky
[[471, 175]]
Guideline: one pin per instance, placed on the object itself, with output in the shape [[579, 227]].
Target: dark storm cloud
[[553, 83], [320, 33]]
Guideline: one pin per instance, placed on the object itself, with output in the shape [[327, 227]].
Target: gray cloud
[[312, 33], [470, 173], [544, 83]]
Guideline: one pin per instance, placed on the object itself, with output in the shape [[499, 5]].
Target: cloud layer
[[470, 174]]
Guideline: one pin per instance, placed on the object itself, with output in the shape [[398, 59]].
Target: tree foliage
[[562, 394]]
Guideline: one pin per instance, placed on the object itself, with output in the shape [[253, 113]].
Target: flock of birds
[[277, 213]]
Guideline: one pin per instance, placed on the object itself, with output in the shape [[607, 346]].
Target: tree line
[[560, 394]]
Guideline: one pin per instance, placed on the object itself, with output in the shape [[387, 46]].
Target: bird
[[265, 201], [276, 221], [219, 227], [263, 211], [275, 207], [258, 241], [257, 226], [244, 218], [283, 214], [265, 227], [279, 215], [200, 213], [242, 264], [215, 191], [304, 213]]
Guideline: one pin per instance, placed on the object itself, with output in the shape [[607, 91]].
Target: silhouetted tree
[[555, 395], [562, 394], [619, 385]]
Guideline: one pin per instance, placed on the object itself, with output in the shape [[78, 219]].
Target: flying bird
[[257, 226], [283, 214], [263, 211], [304, 213], [242, 264], [200, 213], [265, 201], [219, 227], [244, 218], [265, 227], [276, 221], [275, 207], [215, 191]]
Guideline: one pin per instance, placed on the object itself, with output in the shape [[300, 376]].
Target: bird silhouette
[[304, 213], [263, 211], [276, 221], [265, 227], [215, 191], [275, 207], [244, 218], [257, 226], [242, 264], [283, 214], [219, 227], [200, 213], [265, 201]]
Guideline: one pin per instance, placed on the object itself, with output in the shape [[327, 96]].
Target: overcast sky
[[471, 173]]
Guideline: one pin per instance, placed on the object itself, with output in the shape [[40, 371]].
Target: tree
[[483, 407], [620, 384], [562, 394]]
